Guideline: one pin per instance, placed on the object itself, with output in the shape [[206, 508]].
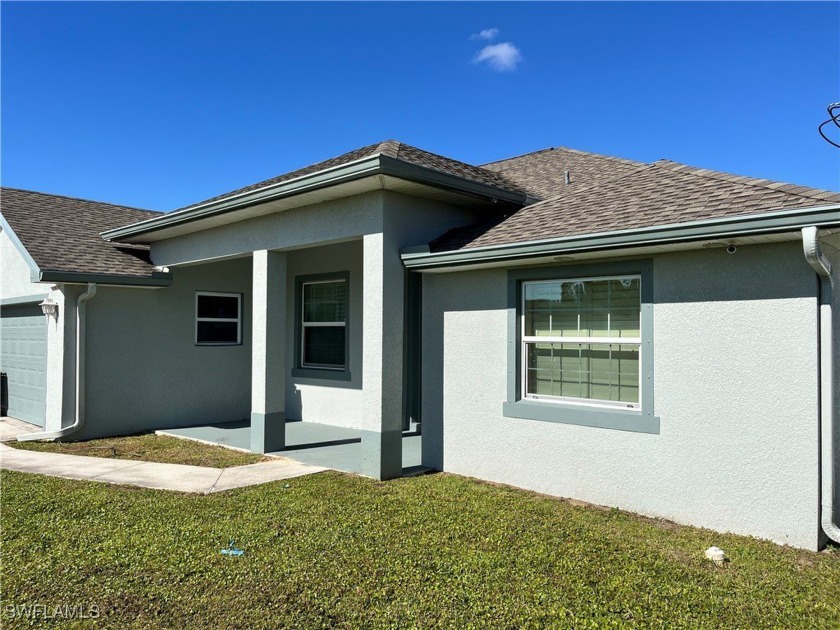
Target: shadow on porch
[[306, 442]]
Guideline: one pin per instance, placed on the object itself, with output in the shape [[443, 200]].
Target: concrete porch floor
[[306, 442]]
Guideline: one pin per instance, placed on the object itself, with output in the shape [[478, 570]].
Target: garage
[[23, 361]]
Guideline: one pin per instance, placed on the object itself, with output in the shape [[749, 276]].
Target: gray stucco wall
[[316, 400], [318, 224], [144, 370], [15, 282], [735, 371], [324, 238], [14, 272]]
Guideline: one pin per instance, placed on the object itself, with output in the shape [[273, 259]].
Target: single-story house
[[649, 336]]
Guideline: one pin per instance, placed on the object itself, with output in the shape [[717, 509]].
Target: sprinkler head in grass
[[232, 550]]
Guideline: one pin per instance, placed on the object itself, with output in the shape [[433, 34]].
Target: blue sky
[[159, 105]]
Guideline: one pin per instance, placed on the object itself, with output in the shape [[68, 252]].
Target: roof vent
[[567, 176]]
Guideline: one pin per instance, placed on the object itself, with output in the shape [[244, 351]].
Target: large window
[[580, 345], [581, 340], [323, 324], [218, 319]]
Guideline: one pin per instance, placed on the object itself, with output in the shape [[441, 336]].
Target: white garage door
[[23, 358]]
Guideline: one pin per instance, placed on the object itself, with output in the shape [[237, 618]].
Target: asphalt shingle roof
[[542, 173], [393, 149], [605, 194], [62, 233], [660, 193]]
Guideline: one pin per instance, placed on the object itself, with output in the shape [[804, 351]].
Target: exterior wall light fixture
[[49, 308]]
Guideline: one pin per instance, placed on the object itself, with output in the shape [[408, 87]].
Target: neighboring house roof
[[661, 193], [393, 149], [61, 234], [542, 173]]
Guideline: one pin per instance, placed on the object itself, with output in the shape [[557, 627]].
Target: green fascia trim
[[300, 371], [643, 421], [419, 257], [374, 165], [157, 279], [24, 299], [30, 262], [423, 175]]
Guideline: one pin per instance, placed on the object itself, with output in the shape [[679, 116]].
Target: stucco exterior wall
[[324, 238], [14, 272], [316, 400], [735, 371], [318, 224], [144, 370], [15, 282]]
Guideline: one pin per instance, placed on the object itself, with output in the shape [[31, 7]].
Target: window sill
[[602, 418], [321, 375]]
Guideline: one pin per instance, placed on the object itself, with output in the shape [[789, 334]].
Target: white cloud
[[487, 33], [503, 57]]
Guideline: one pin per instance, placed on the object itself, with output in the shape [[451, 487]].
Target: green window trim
[[641, 419], [320, 373]]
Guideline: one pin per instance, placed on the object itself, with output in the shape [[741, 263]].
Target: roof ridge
[[569, 150], [809, 192], [101, 203], [516, 157]]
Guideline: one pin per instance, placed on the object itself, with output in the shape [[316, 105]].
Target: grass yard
[[333, 550], [151, 448]]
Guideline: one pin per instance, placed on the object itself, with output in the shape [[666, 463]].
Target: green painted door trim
[[643, 421], [412, 349]]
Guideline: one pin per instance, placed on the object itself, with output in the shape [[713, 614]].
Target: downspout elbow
[[814, 255], [79, 420]]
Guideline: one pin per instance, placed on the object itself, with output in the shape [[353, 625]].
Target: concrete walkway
[[10, 428], [176, 477]]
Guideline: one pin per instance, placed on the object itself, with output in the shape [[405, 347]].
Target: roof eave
[[156, 280], [374, 165], [420, 258]]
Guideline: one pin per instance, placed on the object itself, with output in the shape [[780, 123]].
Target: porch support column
[[268, 352], [382, 368]]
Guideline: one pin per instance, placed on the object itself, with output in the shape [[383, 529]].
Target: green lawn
[[151, 448], [334, 550]]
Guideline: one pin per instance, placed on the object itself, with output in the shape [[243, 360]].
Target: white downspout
[[821, 264], [81, 308]]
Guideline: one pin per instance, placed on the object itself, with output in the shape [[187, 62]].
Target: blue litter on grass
[[232, 550]]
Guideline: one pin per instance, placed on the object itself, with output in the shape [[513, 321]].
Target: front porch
[[311, 443]]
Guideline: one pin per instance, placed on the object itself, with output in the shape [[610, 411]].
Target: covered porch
[[311, 443]]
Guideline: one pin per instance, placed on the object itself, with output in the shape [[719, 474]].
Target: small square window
[[218, 320]]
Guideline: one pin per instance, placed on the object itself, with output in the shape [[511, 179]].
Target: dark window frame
[[239, 317]]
